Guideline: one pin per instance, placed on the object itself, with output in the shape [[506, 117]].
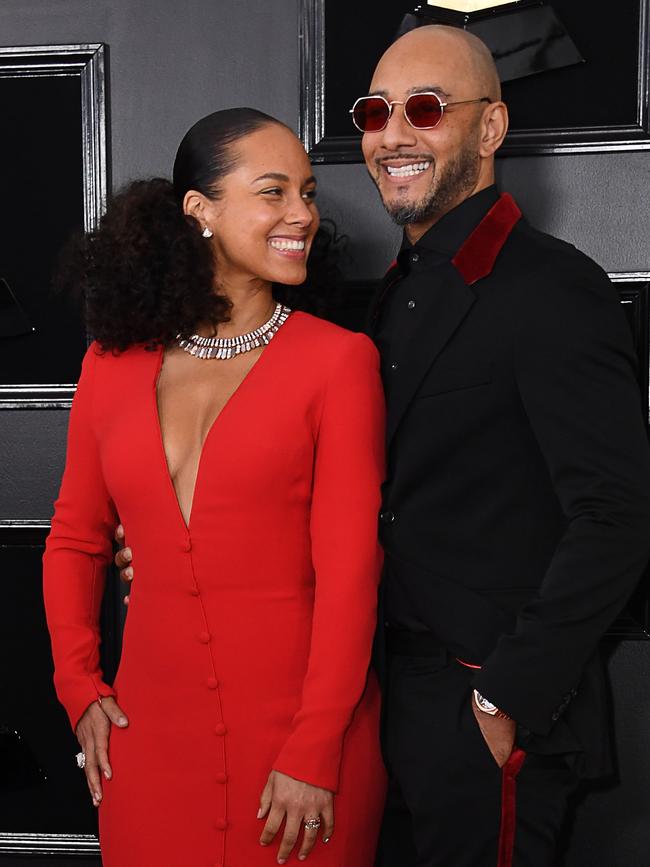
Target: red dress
[[248, 636]]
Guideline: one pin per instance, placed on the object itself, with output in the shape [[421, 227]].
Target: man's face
[[422, 174]]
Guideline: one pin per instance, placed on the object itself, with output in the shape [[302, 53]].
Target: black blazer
[[516, 512]]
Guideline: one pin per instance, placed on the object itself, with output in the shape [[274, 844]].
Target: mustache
[[380, 161]]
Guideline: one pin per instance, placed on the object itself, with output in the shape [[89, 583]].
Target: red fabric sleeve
[[77, 552], [349, 469]]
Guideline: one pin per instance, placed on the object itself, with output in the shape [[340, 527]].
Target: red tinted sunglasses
[[422, 110]]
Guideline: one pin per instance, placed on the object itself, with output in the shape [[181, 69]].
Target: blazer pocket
[[454, 379]]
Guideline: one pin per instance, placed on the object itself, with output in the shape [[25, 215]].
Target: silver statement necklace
[[227, 347]]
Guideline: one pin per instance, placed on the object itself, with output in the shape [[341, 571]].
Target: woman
[[249, 486]]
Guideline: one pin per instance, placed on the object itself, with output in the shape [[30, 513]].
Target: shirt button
[[411, 305], [220, 729], [394, 366], [415, 257], [221, 778], [204, 637], [187, 546], [194, 591], [212, 683], [387, 517], [220, 824]]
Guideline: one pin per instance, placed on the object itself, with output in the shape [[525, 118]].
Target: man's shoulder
[[539, 250]]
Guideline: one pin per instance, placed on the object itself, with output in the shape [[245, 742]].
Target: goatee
[[459, 176]]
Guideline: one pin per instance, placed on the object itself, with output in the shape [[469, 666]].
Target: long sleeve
[[78, 550], [348, 472], [575, 373]]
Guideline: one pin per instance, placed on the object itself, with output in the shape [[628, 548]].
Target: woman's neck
[[252, 306]]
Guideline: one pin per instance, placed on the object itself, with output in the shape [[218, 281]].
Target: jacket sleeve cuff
[[533, 701]]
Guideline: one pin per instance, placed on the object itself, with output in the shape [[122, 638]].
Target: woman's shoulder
[[132, 356], [329, 339], [105, 366]]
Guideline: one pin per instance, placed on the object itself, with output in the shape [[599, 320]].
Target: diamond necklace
[[228, 347]]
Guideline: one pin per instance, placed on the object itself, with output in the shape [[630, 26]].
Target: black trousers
[[449, 804]]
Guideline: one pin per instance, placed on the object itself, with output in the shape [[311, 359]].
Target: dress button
[[221, 778], [220, 729], [394, 366], [204, 637], [411, 304], [194, 591], [387, 517], [212, 683], [415, 257], [220, 824], [187, 546]]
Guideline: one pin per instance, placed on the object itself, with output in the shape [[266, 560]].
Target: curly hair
[[146, 274]]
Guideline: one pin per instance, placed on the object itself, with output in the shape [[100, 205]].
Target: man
[[517, 503]]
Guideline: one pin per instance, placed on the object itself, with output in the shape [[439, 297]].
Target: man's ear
[[493, 128]]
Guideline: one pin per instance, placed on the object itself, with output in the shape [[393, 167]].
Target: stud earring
[[207, 232]]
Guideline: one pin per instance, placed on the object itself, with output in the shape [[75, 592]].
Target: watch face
[[485, 705]]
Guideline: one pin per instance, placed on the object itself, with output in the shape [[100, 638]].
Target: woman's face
[[266, 218]]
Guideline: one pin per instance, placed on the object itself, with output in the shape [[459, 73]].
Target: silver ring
[[312, 824], [81, 760]]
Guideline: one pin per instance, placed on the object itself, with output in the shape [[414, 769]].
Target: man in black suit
[[516, 509]]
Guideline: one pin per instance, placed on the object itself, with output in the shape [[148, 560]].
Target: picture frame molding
[[566, 140], [89, 62]]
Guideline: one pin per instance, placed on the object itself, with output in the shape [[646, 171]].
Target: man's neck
[[414, 231]]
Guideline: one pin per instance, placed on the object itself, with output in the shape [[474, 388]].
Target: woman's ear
[[194, 205]]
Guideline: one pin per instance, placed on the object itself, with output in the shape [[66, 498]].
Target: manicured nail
[[128, 573], [282, 860], [122, 721], [107, 774], [259, 813], [97, 796], [127, 554], [302, 857], [326, 839]]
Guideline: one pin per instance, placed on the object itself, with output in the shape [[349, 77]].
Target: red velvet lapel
[[477, 256]]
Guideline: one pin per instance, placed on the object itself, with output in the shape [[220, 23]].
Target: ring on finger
[[312, 824], [81, 760]]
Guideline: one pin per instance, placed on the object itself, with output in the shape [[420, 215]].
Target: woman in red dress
[[243, 722]]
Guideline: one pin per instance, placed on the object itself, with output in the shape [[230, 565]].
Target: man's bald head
[[459, 47]]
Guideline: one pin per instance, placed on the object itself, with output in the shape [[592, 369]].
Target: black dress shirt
[[399, 317]]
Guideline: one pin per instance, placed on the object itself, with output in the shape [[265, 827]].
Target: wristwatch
[[487, 707]]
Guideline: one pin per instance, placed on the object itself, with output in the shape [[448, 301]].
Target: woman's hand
[[93, 731], [283, 797], [123, 559]]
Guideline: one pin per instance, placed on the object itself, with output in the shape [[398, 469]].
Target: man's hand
[[499, 734], [296, 802], [123, 559], [93, 730]]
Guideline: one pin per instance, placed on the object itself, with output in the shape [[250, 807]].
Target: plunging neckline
[[187, 524]]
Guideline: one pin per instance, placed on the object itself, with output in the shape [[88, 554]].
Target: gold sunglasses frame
[[404, 102]]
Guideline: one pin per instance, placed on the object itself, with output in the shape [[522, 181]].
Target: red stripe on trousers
[[509, 774], [509, 807]]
